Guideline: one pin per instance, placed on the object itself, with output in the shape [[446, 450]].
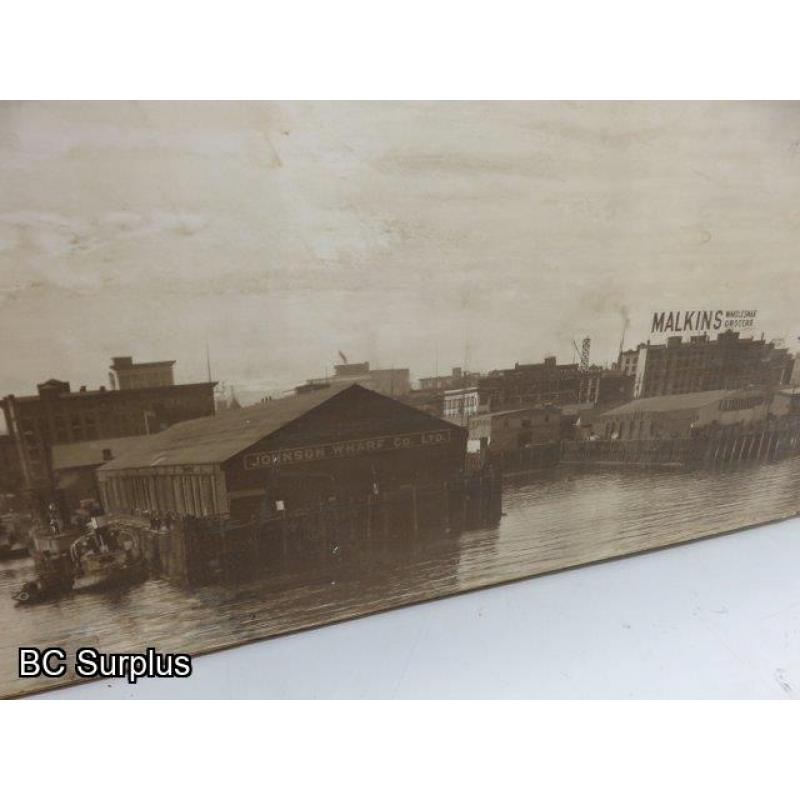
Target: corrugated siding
[[200, 492]]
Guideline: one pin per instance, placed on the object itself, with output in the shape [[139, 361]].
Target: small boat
[[53, 540], [67, 562], [14, 536], [31, 592], [104, 557], [52, 564], [54, 578], [42, 589]]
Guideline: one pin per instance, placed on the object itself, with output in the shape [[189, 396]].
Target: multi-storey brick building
[[604, 387], [794, 378], [10, 469], [626, 363], [391, 382], [125, 374], [457, 379], [57, 415], [702, 364], [530, 385]]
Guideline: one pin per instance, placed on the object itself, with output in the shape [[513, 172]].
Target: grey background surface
[[719, 618]]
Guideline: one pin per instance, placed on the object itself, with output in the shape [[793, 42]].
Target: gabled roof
[[671, 402], [549, 409], [212, 440], [90, 454]]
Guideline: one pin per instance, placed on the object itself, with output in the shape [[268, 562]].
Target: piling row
[[197, 551], [721, 447]]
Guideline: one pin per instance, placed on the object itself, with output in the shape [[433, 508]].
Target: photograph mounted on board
[[269, 366]]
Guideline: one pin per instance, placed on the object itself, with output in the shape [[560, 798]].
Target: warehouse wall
[[391, 445], [196, 490]]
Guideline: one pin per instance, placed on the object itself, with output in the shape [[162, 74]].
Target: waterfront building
[[786, 401], [604, 387], [337, 443], [58, 415], [529, 385], [391, 382], [457, 379], [430, 401], [516, 429], [125, 374], [704, 364], [576, 420], [75, 466], [794, 379], [10, 467], [683, 415], [453, 397], [627, 360], [460, 404]]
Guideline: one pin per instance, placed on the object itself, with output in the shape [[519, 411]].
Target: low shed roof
[[670, 402], [90, 454], [540, 410], [212, 440]]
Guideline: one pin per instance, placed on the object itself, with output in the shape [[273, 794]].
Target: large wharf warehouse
[[338, 442]]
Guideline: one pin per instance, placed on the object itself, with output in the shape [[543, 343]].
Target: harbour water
[[551, 522]]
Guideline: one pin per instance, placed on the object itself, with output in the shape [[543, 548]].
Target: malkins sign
[[701, 321]]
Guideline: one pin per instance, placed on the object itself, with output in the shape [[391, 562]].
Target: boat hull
[[110, 576]]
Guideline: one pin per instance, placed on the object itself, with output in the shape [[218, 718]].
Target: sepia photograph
[[272, 365]]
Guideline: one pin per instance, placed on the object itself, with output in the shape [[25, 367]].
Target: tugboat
[[14, 536], [106, 556], [89, 555], [54, 577], [52, 564]]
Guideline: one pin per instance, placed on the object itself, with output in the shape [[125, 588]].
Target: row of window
[[465, 405], [145, 381], [84, 427]]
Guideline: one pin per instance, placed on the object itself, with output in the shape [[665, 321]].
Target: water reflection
[[551, 522]]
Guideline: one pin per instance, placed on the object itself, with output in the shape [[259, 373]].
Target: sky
[[420, 235]]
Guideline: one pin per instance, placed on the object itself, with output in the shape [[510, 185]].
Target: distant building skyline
[[253, 392], [464, 234]]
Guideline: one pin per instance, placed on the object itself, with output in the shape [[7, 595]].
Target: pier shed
[[515, 429], [75, 466], [336, 443], [681, 415]]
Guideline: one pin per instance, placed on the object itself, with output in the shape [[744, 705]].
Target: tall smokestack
[[622, 338]]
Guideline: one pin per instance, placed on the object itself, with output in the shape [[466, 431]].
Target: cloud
[[291, 230]]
